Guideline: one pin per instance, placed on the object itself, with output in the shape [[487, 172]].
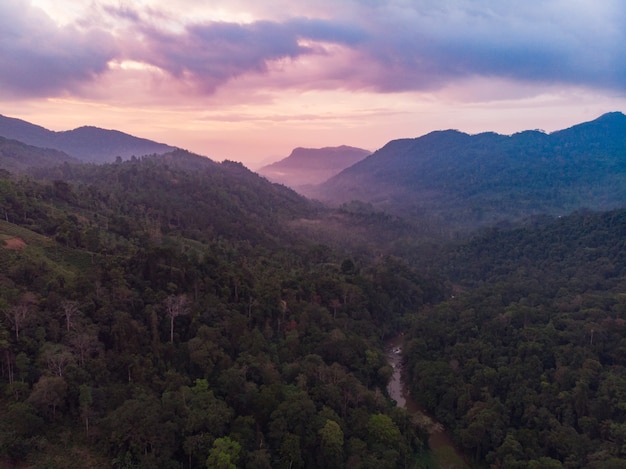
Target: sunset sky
[[249, 80]]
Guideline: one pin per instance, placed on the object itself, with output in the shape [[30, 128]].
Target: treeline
[[153, 320], [525, 364]]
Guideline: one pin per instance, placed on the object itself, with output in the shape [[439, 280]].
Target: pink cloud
[[41, 59], [378, 45]]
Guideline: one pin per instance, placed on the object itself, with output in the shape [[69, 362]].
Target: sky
[[250, 80]]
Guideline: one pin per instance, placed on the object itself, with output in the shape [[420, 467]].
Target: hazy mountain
[[90, 144], [17, 156], [312, 165], [452, 178]]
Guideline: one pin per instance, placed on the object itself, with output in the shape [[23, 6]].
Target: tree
[[331, 437], [85, 343], [225, 454], [141, 427], [383, 430], [49, 393], [57, 357], [70, 309], [85, 401], [18, 313], [175, 305], [291, 457]]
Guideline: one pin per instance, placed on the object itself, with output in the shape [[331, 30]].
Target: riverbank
[[445, 453]]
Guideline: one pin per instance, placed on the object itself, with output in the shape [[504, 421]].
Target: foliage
[[525, 362], [174, 312], [164, 313]]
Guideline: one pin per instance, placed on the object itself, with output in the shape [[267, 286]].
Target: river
[[445, 452]]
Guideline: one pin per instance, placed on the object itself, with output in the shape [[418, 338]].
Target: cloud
[[396, 45], [433, 43], [378, 45], [211, 54], [41, 59]]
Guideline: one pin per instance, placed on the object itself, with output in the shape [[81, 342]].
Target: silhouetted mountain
[[455, 179], [312, 165], [90, 144], [17, 156]]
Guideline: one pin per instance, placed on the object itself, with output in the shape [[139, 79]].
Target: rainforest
[[169, 311]]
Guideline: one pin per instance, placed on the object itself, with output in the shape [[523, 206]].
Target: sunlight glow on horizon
[[249, 82]]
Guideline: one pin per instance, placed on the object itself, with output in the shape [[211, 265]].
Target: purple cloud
[[41, 59], [428, 46], [416, 46], [213, 53], [387, 46]]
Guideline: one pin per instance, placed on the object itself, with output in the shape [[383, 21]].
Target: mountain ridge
[[87, 143], [312, 165], [16, 156], [453, 177]]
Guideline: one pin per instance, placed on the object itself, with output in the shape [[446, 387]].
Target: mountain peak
[[615, 115], [312, 165]]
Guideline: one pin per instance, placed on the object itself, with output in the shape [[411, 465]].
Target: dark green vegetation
[[456, 181], [526, 364], [18, 157], [164, 312], [174, 312]]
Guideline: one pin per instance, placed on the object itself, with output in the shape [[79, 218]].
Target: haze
[[249, 81]]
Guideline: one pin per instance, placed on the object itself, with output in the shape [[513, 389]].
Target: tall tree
[[70, 309], [175, 305]]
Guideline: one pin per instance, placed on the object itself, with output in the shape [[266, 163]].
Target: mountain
[[170, 311], [17, 156], [193, 195], [312, 165], [89, 144], [449, 178]]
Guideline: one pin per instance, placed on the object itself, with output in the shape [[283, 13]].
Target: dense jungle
[[172, 312]]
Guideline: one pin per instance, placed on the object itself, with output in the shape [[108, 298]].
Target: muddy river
[[438, 440]]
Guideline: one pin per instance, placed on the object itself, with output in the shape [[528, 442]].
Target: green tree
[[383, 430], [225, 454], [332, 440], [290, 452]]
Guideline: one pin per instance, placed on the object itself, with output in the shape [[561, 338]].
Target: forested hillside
[[525, 364], [163, 312], [173, 312], [18, 157], [458, 182]]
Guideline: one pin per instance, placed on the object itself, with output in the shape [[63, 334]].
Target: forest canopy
[[169, 311], [157, 316]]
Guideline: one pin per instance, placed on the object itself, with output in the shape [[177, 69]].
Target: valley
[[167, 310]]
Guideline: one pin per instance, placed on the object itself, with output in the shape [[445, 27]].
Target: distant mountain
[[18, 157], [312, 165], [89, 144], [449, 178]]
